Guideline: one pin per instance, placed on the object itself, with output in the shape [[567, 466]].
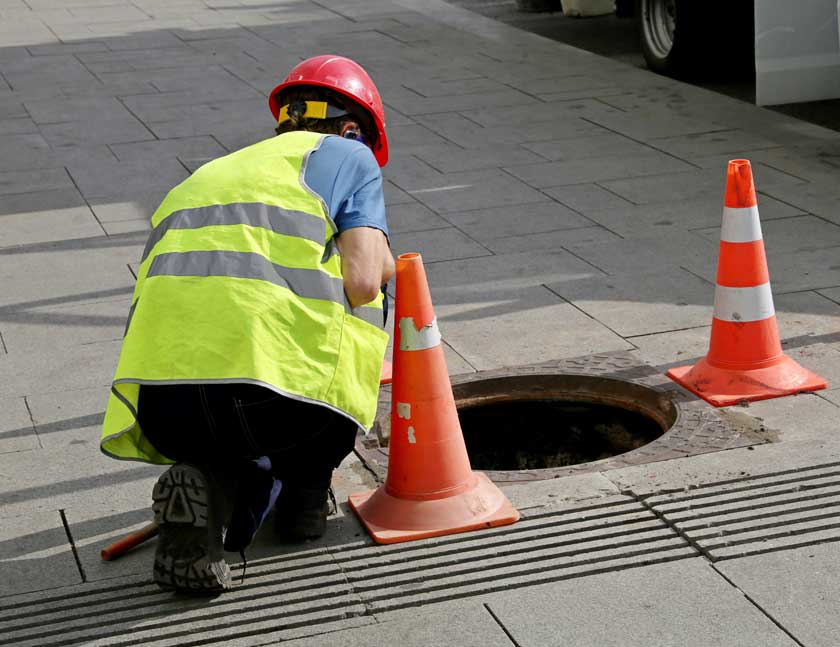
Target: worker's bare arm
[[366, 263]]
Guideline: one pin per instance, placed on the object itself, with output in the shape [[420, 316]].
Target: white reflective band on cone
[[740, 225], [413, 339], [744, 304]]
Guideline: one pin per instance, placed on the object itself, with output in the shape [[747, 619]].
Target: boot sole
[[181, 501]]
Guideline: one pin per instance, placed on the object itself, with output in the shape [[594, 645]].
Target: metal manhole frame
[[697, 429]]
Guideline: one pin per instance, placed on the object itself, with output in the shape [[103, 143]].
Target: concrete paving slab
[[69, 417], [814, 165], [17, 126], [95, 527], [797, 588], [35, 554], [32, 151], [823, 359], [516, 220], [104, 131], [796, 271], [413, 216], [47, 226], [800, 417], [831, 293], [734, 143], [640, 255], [124, 178], [804, 319], [795, 234], [655, 124], [565, 490], [474, 190], [76, 109], [468, 134], [597, 169], [189, 147], [576, 148], [642, 304], [550, 240], [37, 71], [486, 327], [454, 159], [127, 226], [61, 270], [45, 372], [708, 183], [818, 198], [17, 433], [584, 198], [654, 220], [438, 244], [684, 474], [507, 271], [76, 478], [471, 626], [12, 182], [701, 608], [139, 206]]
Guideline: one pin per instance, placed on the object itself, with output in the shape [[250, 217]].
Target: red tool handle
[[128, 542]]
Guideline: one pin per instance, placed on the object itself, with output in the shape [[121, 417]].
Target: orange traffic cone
[[745, 360], [430, 489]]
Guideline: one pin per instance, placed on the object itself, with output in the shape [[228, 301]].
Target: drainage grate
[[309, 592], [758, 514]]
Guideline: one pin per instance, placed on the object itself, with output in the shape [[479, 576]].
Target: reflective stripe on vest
[[281, 221], [309, 284]]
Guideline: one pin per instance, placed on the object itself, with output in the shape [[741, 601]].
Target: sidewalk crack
[[501, 626], [761, 609], [73, 545], [32, 421]]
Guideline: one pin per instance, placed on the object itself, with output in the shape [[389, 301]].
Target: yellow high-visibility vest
[[241, 282]]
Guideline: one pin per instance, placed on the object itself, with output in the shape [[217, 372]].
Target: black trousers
[[223, 424]]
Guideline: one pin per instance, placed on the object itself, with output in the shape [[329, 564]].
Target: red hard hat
[[345, 77]]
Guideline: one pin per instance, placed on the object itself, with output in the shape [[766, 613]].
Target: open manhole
[[545, 421], [571, 416]]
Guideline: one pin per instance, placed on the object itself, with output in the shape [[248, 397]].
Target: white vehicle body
[[797, 51], [797, 42]]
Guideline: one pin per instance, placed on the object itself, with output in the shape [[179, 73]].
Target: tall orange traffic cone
[[430, 489], [745, 360]]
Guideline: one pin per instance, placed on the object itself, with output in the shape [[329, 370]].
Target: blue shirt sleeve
[[347, 177], [345, 174]]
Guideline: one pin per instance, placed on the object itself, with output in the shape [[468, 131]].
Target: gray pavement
[[565, 204]]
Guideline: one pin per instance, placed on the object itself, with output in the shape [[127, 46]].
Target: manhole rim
[[696, 427]]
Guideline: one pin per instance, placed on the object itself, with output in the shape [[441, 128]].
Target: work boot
[[188, 510], [301, 513]]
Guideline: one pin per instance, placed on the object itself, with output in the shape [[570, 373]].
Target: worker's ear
[[351, 130]]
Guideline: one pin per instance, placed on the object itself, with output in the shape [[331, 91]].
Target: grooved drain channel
[[307, 592], [316, 591]]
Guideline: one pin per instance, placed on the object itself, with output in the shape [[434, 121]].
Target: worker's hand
[[366, 263]]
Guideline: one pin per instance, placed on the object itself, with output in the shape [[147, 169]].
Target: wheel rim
[[658, 21]]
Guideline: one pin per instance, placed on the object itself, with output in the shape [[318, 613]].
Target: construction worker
[[255, 337]]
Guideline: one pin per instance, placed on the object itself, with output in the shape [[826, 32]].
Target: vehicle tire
[[691, 39], [665, 33]]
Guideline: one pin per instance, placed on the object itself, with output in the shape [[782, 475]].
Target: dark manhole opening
[[573, 416], [540, 434], [544, 421]]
